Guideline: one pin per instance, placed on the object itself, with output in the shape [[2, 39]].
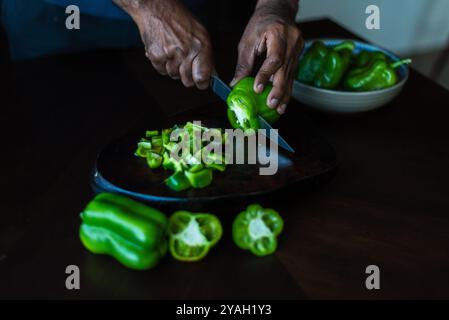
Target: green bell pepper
[[379, 74], [323, 66], [367, 57], [129, 231], [245, 105], [192, 235], [256, 229]]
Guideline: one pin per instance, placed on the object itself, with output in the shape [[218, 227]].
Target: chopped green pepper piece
[[256, 229], [167, 162], [151, 133], [178, 181], [192, 235], [142, 152], [196, 168], [199, 179], [217, 166], [154, 160], [166, 136], [156, 141]]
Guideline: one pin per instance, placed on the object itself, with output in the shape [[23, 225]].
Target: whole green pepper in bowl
[[324, 66], [365, 58], [377, 75]]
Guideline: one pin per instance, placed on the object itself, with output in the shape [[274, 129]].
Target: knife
[[222, 90]]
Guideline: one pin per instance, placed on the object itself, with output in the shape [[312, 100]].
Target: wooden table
[[388, 204]]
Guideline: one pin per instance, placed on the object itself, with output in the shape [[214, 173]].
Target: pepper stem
[[400, 63], [344, 45]]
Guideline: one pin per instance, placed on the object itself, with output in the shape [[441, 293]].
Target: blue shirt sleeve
[[102, 8], [107, 8]]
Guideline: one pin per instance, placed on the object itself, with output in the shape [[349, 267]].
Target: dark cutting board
[[118, 170]]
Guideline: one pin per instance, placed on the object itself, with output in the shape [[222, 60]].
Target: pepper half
[[129, 231], [192, 235], [256, 229], [245, 105], [379, 74], [323, 66]]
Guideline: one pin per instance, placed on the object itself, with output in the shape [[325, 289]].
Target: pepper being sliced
[[379, 74], [256, 229], [245, 105], [129, 231], [323, 66], [192, 235]]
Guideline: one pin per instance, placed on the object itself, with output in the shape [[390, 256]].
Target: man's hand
[[176, 43], [271, 30]]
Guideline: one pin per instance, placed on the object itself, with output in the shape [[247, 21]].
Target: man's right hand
[[176, 43]]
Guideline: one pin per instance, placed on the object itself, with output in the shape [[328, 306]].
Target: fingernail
[[232, 82], [282, 108], [259, 88], [274, 102]]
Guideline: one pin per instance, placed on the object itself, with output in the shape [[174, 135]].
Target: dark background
[[387, 205]]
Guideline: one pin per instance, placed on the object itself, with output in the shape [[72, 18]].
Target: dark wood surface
[[388, 204]]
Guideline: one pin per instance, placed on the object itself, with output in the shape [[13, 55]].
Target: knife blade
[[277, 139], [222, 90]]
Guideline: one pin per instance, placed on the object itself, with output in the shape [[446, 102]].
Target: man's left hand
[[271, 30]]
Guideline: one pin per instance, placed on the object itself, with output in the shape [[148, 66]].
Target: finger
[[202, 67], [291, 67], [279, 87], [262, 47], [160, 67], [276, 50], [245, 62], [286, 99], [293, 50], [172, 67], [157, 60], [185, 72], [281, 109]]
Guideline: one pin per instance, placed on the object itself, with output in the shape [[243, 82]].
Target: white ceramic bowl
[[333, 101]]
